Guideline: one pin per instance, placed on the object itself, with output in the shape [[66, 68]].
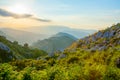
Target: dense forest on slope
[[82, 61]]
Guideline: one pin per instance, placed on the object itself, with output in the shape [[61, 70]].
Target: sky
[[83, 14]]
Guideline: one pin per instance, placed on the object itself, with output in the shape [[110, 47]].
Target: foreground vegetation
[[78, 65]]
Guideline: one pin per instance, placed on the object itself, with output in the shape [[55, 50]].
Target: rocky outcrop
[[5, 53], [100, 40], [61, 56], [4, 47]]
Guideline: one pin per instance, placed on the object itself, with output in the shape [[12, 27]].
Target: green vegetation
[[78, 65], [57, 42], [18, 52], [82, 61]]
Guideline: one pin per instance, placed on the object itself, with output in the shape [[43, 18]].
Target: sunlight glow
[[19, 9]]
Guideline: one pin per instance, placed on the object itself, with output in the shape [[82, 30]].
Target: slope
[[57, 42], [17, 51], [100, 40], [80, 63]]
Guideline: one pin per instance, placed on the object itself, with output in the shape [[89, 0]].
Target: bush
[[112, 74]]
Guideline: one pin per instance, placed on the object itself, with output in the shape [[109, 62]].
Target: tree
[[15, 42], [26, 45]]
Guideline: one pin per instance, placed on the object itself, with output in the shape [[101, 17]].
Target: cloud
[[43, 20], [6, 13]]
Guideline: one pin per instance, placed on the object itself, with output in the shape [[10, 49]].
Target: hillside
[[12, 50], [100, 40], [57, 42], [78, 62]]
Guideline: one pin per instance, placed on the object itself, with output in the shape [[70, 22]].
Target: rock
[[99, 34], [112, 33], [106, 34], [98, 47], [61, 56], [93, 38], [102, 48], [94, 48], [4, 47]]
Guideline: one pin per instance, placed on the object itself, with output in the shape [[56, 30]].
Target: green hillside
[[82, 61], [18, 51], [55, 43]]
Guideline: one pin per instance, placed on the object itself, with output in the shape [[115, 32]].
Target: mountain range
[[54, 29], [21, 36], [31, 35]]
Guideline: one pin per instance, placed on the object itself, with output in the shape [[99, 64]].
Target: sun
[[19, 9]]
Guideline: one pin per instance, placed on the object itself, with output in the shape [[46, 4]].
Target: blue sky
[[86, 14]]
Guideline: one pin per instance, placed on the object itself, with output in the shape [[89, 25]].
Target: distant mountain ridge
[[54, 29], [61, 34], [21, 36], [57, 42], [7, 36], [32, 34]]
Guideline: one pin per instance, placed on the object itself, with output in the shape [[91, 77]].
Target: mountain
[[57, 42], [12, 50], [51, 30], [78, 62], [100, 40], [22, 36], [32, 34]]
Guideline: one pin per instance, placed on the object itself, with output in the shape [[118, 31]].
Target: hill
[[12, 50], [100, 40], [80, 61], [57, 42]]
